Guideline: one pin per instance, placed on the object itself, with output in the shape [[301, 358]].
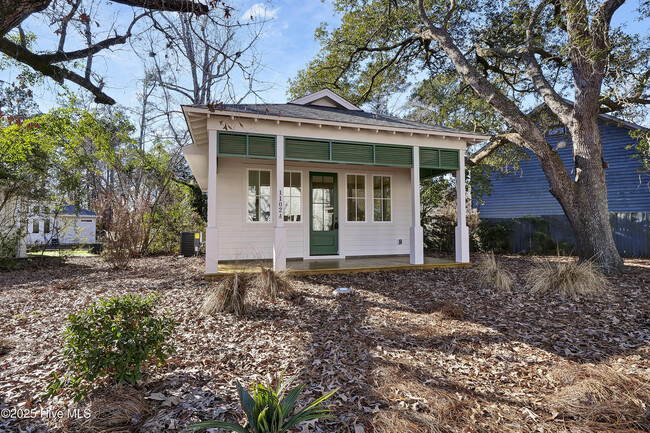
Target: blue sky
[[286, 45]]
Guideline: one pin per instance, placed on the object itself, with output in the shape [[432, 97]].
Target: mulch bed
[[429, 351]]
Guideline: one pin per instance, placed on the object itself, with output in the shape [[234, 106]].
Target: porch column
[[462, 232], [280, 232], [211, 246], [417, 236]]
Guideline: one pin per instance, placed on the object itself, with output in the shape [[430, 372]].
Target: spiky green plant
[[269, 409]]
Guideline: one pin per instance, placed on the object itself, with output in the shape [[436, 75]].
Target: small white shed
[[68, 226]]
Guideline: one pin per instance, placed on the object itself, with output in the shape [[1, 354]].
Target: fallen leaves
[[411, 350]]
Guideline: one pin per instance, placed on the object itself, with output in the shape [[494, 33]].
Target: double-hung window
[[259, 195], [292, 192], [356, 194], [381, 186]]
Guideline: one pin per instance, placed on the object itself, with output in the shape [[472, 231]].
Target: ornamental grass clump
[[600, 396], [273, 284], [569, 279], [228, 296], [489, 272], [118, 408], [109, 341], [269, 409]]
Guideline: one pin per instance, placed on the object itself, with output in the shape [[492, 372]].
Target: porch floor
[[337, 266]]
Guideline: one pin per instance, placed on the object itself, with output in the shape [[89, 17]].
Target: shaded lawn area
[[422, 350]]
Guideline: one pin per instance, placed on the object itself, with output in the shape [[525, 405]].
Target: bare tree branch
[[57, 73], [184, 6], [560, 182], [562, 109], [495, 142], [13, 12]]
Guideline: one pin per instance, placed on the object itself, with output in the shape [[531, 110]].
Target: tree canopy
[[514, 55]]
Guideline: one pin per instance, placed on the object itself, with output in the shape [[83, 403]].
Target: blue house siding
[[526, 192]]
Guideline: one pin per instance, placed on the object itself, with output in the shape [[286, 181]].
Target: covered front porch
[[348, 265], [321, 181]]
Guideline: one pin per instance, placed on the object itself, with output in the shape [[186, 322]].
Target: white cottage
[[318, 178], [67, 226]]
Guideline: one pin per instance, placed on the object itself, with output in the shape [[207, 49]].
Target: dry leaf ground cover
[[421, 351]]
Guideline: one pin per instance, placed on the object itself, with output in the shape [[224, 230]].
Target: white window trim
[[390, 199], [302, 195], [365, 198], [271, 221]]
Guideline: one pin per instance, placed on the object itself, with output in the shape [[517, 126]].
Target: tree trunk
[[586, 204], [14, 12]]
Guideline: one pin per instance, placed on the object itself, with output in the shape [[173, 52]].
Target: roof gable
[[326, 98]]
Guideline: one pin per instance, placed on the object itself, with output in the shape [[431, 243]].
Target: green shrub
[[440, 226], [269, 409], [493, 237], [110, 340]]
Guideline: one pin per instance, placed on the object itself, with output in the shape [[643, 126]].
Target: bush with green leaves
[[269, 409], [110, 340], [493, 237]]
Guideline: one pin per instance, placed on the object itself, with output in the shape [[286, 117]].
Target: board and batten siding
[[526, 191], [240, 239]]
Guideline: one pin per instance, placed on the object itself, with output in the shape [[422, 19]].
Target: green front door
[[324, 221]]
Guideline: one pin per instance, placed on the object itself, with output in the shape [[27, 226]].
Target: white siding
[[67, 229], [240, 239]]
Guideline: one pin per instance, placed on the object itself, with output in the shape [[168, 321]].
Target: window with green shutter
[[245, 145], [231, 144], [261, 146], [356, 153], [432, 158], [395, 156], [306, 150], [449, 159]]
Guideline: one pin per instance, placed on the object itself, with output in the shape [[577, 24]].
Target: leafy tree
[[34, 167], [510, 54]]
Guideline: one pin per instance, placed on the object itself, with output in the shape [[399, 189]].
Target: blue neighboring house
[[525, 193]]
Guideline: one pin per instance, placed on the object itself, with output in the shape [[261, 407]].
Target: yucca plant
[[269, 409]]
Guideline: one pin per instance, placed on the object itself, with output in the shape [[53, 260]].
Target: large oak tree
[[563, 53]]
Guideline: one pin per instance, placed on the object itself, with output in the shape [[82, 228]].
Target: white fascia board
[[428, 132]]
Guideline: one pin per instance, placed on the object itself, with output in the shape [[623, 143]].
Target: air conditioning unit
[[190, 243]]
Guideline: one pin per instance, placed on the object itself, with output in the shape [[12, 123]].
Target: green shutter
[[245, 145], [307, 150], [397, 156], [449, 159], [261, 146], [231, 144], [352, 153], [429, 157]]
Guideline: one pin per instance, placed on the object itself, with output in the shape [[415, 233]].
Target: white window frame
[[271, 199], [365, 197], [390, 199], [302, 194]]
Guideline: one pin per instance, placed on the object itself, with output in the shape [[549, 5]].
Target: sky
[[286, 46]]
